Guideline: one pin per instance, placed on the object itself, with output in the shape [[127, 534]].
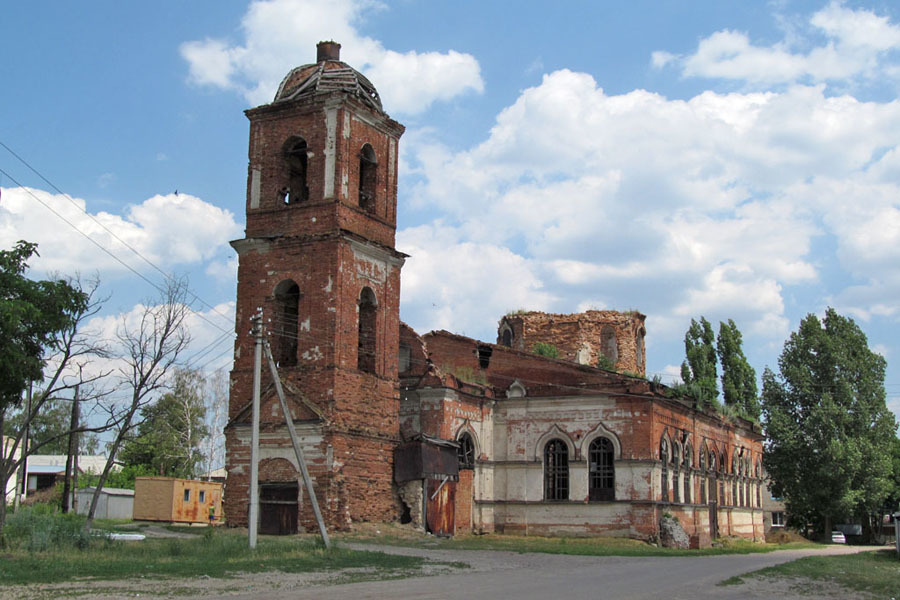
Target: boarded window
[[287, 310], [368, 165], [366, 346], [466, 452], [295, 158], [602, 483], [556, 470], [404, 358], [639, 350], [608, 346]]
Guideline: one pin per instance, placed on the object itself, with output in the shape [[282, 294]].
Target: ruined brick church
[[450, 433]]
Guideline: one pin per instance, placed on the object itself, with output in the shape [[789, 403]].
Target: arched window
[[608, 346], [367, 176], [664, 459], [287, 310], [712, 477], [722, 470], [758, 484], [703, 475], [556, 470], [735, 475], [295, 158], [676, 475], [602, 477], [466, 452], [688, 462], [366, 345], [506, 336]]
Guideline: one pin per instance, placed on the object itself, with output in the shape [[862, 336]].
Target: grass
[[594, 546], [42, 547], [875, 572]]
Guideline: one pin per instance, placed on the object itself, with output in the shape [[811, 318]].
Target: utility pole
[[289, 421], [25, 444], [257, 333], [73, 449]]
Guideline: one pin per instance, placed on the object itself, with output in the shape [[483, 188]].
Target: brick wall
[[579, 337]]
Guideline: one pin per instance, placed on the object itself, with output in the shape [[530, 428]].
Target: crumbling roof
[[326, 77]]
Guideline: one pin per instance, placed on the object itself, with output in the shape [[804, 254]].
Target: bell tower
[[318, 256]]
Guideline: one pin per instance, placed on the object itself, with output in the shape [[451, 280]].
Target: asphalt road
[[510, 576]]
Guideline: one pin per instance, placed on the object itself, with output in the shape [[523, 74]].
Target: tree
[[217, 417], [698, 371], [738, 377], [49, 429], [40, 340], [830, 435], [170, 432], [32, 315], [151, 343]]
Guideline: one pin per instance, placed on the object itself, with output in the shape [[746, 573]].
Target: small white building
[[114, 503]]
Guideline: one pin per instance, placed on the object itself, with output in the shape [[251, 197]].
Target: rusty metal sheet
[[420, 459], [440, 504]]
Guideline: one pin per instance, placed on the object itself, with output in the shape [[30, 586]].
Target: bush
[[41, 527], [544, 349]]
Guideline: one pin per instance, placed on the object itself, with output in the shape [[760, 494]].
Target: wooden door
[[278, 509]]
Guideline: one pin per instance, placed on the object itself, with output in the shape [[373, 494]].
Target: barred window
[[556, 470], [602, 483], [466, 452]]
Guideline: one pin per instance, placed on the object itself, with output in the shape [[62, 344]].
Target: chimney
[[328, 51]]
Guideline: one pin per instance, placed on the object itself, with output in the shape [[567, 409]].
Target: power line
[[108, 252]]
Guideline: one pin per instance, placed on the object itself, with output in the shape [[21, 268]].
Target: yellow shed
[[176, 500]]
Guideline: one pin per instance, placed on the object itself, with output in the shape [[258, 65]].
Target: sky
[[732, 160]]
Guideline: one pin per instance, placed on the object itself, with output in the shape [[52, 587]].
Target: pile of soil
[[783, 536]]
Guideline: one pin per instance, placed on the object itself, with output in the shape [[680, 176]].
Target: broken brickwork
[[581, 337]]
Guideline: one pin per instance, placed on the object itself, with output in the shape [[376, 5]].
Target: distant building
[[113, 503], [176, 500], [45, 470]]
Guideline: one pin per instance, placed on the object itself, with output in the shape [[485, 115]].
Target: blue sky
[[732, 160]]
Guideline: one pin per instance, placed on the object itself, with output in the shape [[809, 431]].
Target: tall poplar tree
[[829, 432], [698, 371], [738, 377]]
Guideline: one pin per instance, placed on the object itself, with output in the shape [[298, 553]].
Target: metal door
[[440, 500]]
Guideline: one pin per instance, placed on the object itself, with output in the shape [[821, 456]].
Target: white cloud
[[281, 34], [713, 205], [169, 230], [857, 46], [442, 289]]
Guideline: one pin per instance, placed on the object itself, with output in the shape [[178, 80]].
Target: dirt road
[[506, 575]]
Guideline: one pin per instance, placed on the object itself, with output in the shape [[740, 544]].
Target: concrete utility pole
[[254, 430], [72, 451], [288, 419]]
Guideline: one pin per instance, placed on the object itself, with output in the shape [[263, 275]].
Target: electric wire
[[71, 200]]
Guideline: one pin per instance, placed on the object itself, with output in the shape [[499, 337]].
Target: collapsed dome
[[326, 76]]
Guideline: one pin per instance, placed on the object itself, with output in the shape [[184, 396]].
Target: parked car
[[837, 537]]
